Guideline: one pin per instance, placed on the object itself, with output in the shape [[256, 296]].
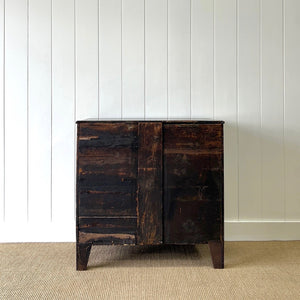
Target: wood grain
[[149, 183], [193, 183], [120, 161], [107, 168], [207, 137], [107, 238], [96, 136], [149, 203], [105, 203], [108, 225]]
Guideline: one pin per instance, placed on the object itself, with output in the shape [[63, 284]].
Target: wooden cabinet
[[149, 182]]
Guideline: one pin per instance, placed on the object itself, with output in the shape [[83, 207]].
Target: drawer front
[[93, 136], [107, 230], [193, 182], [106, 169]]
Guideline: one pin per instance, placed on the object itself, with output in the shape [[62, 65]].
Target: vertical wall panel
[[133, 58], [63, 189], [272, 111], [225, 97], [86, 58], [292, 109], [249, 102], [16, 110], [235, 60], [110, 58], [2, 116], [179, 59], [202, 56], [39, 111], [156, 42]]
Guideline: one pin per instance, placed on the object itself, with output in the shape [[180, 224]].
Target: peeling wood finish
[[107, 238], [145, 183], [105, 203], [149, 201], [107, 169], [108, 225], [94, 136], [193, 137]]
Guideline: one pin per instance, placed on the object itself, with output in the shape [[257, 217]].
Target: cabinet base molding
[[262, 230]]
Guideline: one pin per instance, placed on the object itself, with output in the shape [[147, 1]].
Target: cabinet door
[[107, 182], [149, 200], [193, 182], [119, 182]]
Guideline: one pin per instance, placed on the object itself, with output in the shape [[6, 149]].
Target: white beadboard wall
[[65, 60]]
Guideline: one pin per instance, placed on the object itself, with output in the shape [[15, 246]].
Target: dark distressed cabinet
[[148, 183]]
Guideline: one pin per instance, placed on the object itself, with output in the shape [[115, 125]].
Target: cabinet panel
[[107, 183], [193, 183], [149, 203], [107, 169]]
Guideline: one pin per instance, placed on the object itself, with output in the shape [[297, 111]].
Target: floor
[[253, 270]]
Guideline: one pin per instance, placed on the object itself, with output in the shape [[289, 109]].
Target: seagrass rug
[[253, 270]]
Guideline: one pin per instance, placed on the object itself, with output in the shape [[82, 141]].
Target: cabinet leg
[[82, 256], [217, 253]]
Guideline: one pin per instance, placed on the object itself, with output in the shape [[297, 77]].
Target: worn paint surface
[[193, 183], [149, 201]]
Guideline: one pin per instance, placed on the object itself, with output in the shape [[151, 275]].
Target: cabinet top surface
[[181, 121]]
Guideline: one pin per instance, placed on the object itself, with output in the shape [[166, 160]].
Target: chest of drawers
[[149, 183]]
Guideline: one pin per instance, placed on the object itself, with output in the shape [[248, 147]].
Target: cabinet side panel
[[149, 204], [193, 183]]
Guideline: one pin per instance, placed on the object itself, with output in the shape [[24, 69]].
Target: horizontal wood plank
[[193, 137], [106, 239], [108, 225], [107, 183], [99, 203], [120, 162], [95, 136]]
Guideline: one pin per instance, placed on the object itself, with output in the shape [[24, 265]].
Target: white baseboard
[[65, 231], [37, 232], [262, 230]]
